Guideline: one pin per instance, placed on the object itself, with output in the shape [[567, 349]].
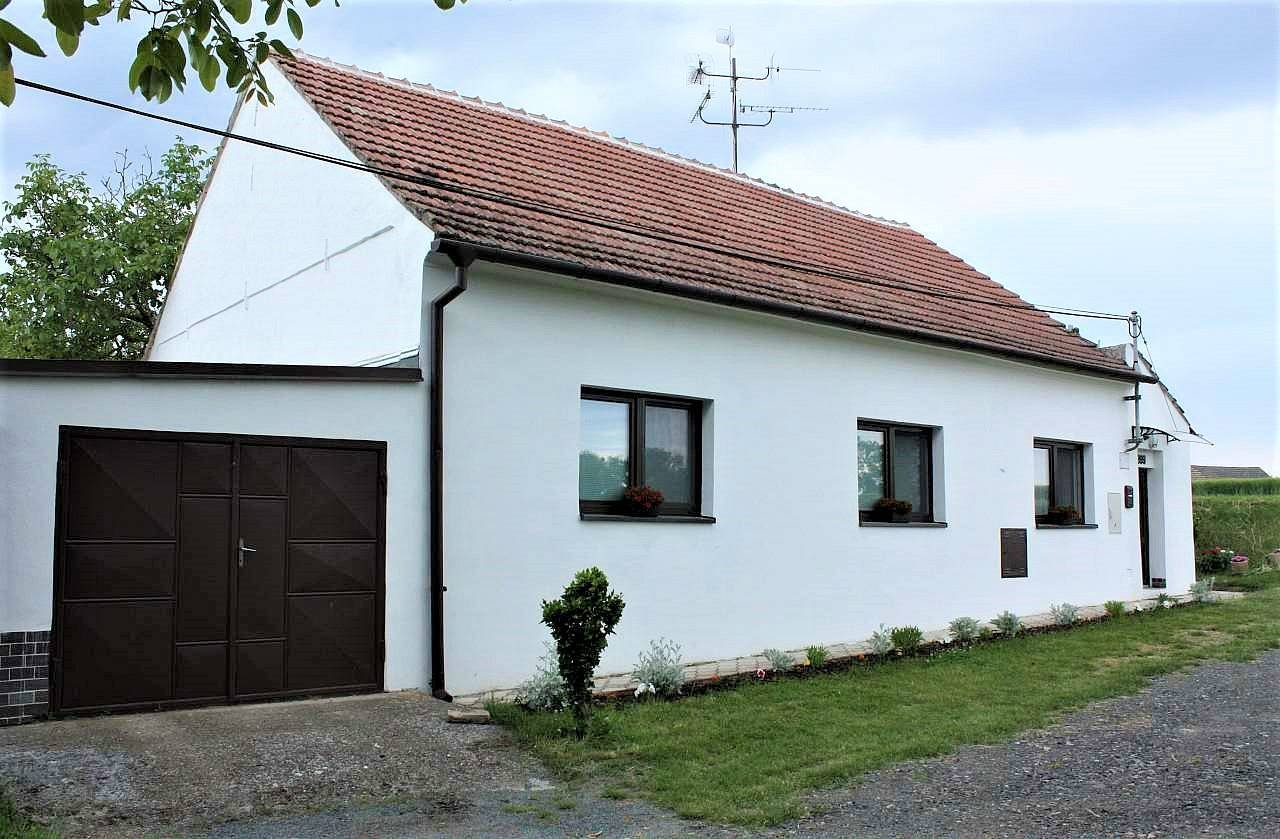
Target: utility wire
[[571, 215]]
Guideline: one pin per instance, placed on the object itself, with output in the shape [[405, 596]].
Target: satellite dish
[[725, 36]]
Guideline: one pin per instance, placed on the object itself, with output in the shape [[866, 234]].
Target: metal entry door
[[195, 569]]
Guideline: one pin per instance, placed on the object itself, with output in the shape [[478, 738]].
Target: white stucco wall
[[32, 409], [786, 564], [291, 260]]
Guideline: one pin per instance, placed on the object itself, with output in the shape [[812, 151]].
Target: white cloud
[[1175, 165]]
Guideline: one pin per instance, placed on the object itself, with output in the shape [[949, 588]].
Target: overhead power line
[[602, 222]]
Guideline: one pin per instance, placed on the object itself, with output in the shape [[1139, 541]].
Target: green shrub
[[1007, 622], [544, 690], [659, 670], [1115, 608], [964, 630], [1248, 523], [907, 638], [1237, 486], [1201, 590], [581, 621], [881, 642], [779, 661], [817, 655], [1214, 560], [1064, 614]]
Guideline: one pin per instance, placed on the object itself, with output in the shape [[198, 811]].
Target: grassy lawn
[[14, 825], [748, 755]]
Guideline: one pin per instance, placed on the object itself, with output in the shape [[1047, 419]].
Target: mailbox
[[1128, 497]]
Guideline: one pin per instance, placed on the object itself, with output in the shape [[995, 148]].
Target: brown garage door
[[195, 569]]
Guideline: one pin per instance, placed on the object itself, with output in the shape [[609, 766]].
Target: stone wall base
[[24, 676]]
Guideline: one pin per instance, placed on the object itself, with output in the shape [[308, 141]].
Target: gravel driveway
[[1196, 754]]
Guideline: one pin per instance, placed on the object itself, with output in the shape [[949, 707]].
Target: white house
[[217, 524]]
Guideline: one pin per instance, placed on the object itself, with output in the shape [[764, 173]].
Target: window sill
[[648, 519], [1066, 527], [902, 524]]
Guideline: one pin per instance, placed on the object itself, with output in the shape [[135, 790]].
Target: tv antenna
[[700, 74]]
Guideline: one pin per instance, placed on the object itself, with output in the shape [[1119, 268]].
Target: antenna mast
[[700, 74]]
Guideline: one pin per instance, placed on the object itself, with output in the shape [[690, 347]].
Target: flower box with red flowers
[[641, 501]]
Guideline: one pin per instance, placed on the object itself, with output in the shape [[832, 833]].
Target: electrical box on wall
[[1114, 513]]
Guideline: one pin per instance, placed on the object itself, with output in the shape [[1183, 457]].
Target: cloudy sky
[[1091, 155]]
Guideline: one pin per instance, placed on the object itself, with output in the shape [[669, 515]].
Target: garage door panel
[[260, 668], [122, 489], [264, 470], [116, 653], [202, 671], [154, 605], [204, 570], [333, 494], [332, 640], [206, 468], [332, 567], [113, 570]]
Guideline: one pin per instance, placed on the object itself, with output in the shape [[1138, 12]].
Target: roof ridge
[[582, 130]]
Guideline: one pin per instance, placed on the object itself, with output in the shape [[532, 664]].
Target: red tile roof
[[602, 204]]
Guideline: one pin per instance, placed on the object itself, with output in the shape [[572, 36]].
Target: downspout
[[432, 331]]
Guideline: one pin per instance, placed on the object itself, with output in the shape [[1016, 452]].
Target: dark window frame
[[890, 429], [1053, 447], [637, 401]]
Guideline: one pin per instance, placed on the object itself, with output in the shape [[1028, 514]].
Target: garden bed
[[747, 755]]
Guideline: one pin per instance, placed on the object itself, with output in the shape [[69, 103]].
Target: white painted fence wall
[[291, 260], [33, 408], [786, 564]]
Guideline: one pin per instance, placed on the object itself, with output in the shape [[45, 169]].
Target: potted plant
[[641, 501], [1239, 564], [1066, 514], [891, 509]]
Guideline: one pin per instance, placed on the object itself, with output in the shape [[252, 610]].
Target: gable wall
[[292, 260], [786, 564]]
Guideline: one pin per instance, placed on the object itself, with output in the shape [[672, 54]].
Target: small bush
[[964, 630], [1064, 614], [1214, 560], [660, 669], [907, 638], [779, 662], [1007, 622], [817, 655], [1163, 601], [1202, 590], [881, 641], [1115, 608], [581, 621], [544, 690]]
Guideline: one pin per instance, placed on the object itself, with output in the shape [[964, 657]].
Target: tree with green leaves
[[83, 273], [208, 36], [581, 621]]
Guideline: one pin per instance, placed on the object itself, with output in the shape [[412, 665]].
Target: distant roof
[[596, 203], [1200, 473]]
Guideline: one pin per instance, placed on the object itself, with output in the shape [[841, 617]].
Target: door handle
[[245, 549]]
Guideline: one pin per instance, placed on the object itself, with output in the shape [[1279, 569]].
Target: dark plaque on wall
[[1013, 552]]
